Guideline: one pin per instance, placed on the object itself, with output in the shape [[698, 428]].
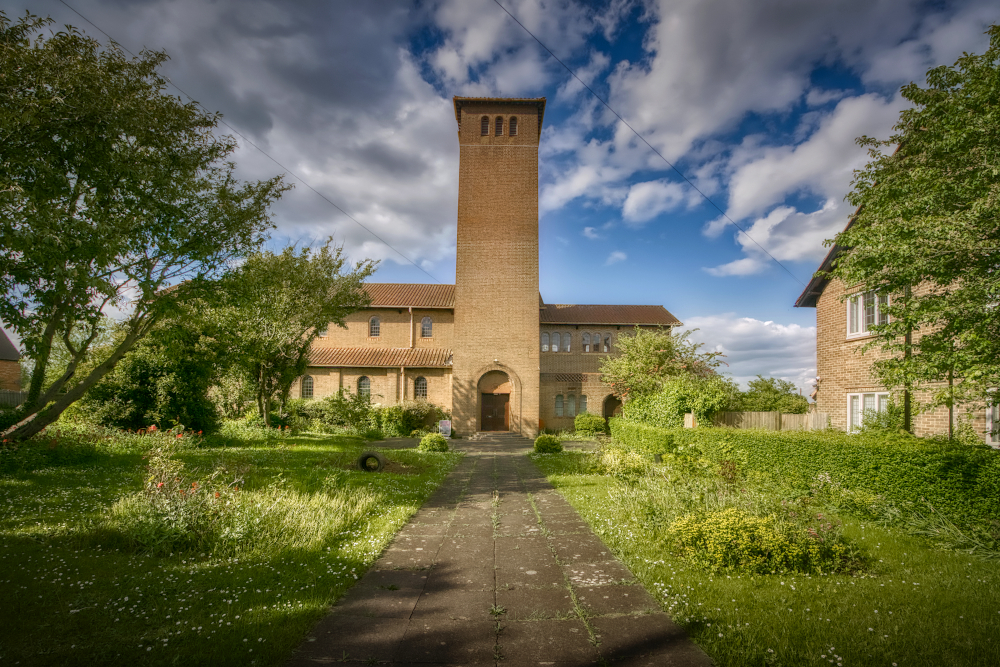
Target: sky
[[755, 103]]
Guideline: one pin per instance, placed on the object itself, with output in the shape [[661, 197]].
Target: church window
[[571, 406], [607, 342], [555, 342], [484, 125], [499, 126], [559, 405], [586, 342], [364, 386], [307, 387], [426, 328], [583, 404], [374, 328], [420, 388], [545, 342], [597, 342], [566, 342], [512, 129]]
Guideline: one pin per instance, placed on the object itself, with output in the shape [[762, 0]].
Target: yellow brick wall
[[394, 329], [10, 375], [591, 387]]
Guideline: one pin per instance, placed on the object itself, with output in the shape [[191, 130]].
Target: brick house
[[487, 348], [845, 386], [10, 364]]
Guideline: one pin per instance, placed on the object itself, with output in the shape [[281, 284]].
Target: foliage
[[891, 419], [547, 444], [401, 419], [586, 423], [623, 463], [647, 360], [703, 396], [927, 233], [641, 438], [276, 305], [433, 442], [773, 395], [112, 195]]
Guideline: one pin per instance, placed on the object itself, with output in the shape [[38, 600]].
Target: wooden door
[[496, 412]]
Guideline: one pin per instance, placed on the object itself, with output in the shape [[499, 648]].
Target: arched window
[[586, 342], [484, 126], [499, 126], [512, 130], [420, 388], [555, 342], [583, 404], [597, 342], [307, 387], [374, 327], [545, 342], [364, 386], [571, 406], [559, 405], [607, 342], [567, 339], [426, 328]]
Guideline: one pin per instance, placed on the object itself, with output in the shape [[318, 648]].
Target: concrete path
[[498, 569]]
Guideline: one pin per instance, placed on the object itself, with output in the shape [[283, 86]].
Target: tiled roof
[[384, 357], [404, 295], [561, 313]]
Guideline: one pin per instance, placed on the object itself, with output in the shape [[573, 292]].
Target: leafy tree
[[927, 233], [647, 359], [113, 195], [278, 304], [773, 395], [679, 395]]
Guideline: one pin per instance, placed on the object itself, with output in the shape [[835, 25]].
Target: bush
[[680, 395], [623, 463], [772, 395], [433, 442], [588, 424], [548, 444], [648, 440]]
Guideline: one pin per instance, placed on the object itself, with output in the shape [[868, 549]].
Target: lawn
[[81, 586], [907, 603]]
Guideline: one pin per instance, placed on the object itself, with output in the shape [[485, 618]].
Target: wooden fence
[[772, 421], [12, 399]]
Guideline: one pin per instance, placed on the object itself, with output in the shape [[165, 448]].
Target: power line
[[263, 152], [651, 147]]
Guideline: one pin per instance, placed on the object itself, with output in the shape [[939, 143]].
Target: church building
[[488, 348]]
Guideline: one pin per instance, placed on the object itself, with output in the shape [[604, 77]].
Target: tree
[[927, 233], [773, 395], [279, 303], [647, 359], [113, 195]]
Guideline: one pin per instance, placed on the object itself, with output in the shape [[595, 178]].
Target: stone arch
[[500, 379], [612, 407]]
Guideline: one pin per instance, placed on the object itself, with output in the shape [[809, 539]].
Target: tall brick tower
[[495, 369]]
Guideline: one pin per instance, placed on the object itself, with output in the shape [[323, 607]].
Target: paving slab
[[497, 569]]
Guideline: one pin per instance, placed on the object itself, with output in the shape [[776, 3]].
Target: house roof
[[405, 295], [564, 313], [538, 102], [810, 295], [7, 350], [384, 357]]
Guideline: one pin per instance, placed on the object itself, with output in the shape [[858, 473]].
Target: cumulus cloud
[[615, 257], [647, 200], [754, 347], [591, 233]]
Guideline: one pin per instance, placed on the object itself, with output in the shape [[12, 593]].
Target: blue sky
[[757, 102]]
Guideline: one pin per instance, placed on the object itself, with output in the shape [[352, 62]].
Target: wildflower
[[152, 429], [159, 485], [180, 435]]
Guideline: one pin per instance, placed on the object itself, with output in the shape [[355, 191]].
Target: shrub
[[623, 463], [666, 408], [773, 395], [433, 442], [734, 539], [642, 438], [589, 424], [548, 444]]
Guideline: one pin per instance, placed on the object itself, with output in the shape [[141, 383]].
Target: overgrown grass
[[80, 587], [907, 604]]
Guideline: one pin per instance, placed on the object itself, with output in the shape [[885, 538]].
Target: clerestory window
[[586, 342], [484, 126], [512, 130], [426, 328], [499, 126], [374, 327], [420, 388]]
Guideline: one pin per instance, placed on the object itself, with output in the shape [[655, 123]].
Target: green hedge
[[960, 481]]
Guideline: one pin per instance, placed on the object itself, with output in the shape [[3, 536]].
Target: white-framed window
[[865, 310], [559, 405], [374, 327], [307, 387], [993, 425], [426, 328], [857, 404], [420, 388], [545, 342]]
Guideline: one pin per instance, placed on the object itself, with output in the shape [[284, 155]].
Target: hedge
[[960, 481]]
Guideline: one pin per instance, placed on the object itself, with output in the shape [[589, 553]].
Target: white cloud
[[591, 233], [615, 257], [647, 200], [754, 347]]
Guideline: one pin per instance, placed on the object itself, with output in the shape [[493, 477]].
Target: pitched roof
[[7, 350], [405, 295], [810, 295], [384, 357], [563, 313]]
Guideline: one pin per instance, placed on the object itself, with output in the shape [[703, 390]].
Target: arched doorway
[[612, 407], [494, 401]]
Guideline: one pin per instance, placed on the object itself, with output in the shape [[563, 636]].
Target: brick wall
[[10, 375], [394, 329], [551, 385]]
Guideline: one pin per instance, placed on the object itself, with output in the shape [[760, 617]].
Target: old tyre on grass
[[371, 461]]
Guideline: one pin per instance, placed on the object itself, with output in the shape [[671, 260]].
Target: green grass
[[911, 604], [74, 593]]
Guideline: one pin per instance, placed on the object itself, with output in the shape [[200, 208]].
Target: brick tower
[[495, 372]]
